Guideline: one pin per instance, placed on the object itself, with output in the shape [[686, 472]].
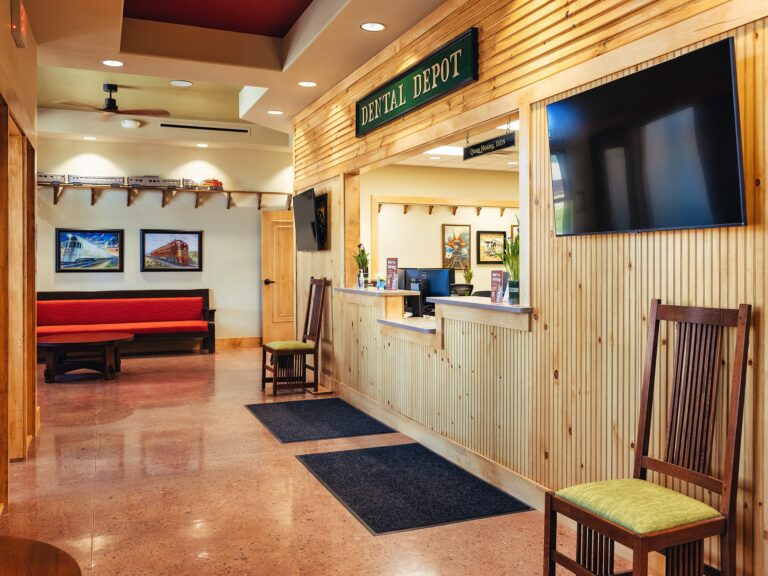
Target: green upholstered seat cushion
[[638, 505], [290, 345]]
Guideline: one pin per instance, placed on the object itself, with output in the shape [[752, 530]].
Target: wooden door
[[278, 273]]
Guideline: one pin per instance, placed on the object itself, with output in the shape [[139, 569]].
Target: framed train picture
[[89, 250], [490, 246], [171, 250]]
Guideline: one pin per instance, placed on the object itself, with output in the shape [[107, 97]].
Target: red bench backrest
[[118, 310]]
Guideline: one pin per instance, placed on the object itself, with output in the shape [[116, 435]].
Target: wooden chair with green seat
[[645, 516], [289, 357]]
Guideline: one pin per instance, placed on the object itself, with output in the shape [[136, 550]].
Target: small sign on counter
[[499, 280], [392, 274]]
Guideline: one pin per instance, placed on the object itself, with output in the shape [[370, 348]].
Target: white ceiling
[[325, 45], [495, 161]]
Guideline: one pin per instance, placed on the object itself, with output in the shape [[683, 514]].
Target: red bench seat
[[139, 316]]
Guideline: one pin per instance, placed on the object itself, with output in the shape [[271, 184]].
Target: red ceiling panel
[[264, 17]]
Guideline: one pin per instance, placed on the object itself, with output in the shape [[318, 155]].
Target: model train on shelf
[[78, 252], [132, 181], [176, 253]]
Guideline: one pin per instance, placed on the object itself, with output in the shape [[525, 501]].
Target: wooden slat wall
[[559, 405], [520, 42]]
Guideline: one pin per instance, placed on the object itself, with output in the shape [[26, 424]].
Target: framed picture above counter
[[456, 245], [490, 245]]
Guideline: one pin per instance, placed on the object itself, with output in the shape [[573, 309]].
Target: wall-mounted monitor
[[658, 149], [310, 218]]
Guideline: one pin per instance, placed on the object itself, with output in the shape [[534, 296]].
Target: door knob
[[267, 282]]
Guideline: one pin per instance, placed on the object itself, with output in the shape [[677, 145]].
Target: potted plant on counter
[[361, 259], [510, 257]]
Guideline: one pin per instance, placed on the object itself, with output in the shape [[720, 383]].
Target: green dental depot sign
[[447, 69]]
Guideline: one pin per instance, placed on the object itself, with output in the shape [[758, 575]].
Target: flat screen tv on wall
[[656, 150], [309, 217]]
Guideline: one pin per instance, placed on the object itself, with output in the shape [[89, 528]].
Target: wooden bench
[[147, 314]]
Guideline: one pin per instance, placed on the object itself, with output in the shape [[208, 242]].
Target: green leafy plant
[[361, 258], [510, 257], [468, 274]]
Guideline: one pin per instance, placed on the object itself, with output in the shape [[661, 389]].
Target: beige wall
[[414, 237], [231, 239]]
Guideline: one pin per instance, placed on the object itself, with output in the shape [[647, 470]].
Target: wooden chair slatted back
[[695, 389], [315, 305]]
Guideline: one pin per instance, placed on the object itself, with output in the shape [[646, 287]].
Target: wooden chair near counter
[[289, 357], [645, 516]]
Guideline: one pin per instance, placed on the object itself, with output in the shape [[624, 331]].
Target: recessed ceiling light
[[112, 63], [372, 26], [307, 84], [434, 157], [275, 112], [181, 83], [202, 145], [512, 163], [446, 151], [130, 123], [89, 137], [514, 126]]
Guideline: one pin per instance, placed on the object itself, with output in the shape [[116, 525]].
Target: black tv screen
[[655, 150], [305, 218]]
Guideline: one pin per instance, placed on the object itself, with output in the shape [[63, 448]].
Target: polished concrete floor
[[164, 472]]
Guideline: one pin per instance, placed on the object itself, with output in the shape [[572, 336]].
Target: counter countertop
[[377, 292], [479, 302], [426, 325]]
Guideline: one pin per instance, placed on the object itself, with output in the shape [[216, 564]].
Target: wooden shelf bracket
[[429, 209], [405, 208], [131, 195], [95, 195], [258, 201], [168, 196], [230, 200], [289, 202], [453, 210], [58, 190]]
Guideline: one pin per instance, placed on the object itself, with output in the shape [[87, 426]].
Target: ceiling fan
[[110, 105]]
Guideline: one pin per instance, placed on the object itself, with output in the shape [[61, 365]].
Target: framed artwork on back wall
[[171, 250], [456, 246], [89, 250], [490, 245]]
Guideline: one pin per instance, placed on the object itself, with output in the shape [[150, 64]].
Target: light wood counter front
[[421, 330], [389, 302], [482, 311]]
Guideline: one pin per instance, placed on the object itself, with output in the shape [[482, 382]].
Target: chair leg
[[263, 368], [728, 553], [640, 561], [550, 535], [314, 372], [277, 371]]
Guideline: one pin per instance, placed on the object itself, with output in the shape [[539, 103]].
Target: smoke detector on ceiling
[[130, 123]]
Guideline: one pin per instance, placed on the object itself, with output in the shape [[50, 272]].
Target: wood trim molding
[[238, 343]]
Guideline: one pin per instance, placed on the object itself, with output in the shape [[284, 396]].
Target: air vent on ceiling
[[207, 128]]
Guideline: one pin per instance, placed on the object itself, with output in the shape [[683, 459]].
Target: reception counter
[[429, 330], [448, 380]]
